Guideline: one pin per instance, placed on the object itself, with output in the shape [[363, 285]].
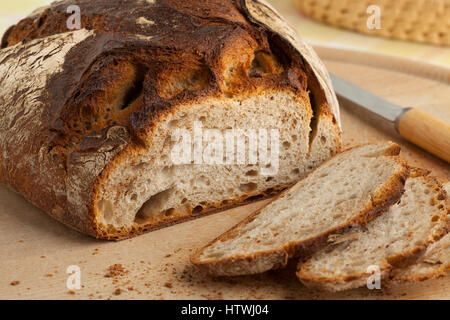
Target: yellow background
[[12, 11]]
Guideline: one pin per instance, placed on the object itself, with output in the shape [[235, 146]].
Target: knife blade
[[414, 125], [367, 100]]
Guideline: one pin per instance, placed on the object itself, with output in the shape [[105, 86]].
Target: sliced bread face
[[434, 263], [394, 240], [349, 189]]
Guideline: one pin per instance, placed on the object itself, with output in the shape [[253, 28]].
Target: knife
[[414, 125]]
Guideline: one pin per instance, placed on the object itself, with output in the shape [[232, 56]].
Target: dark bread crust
[[81, 141], [198, 27], [115, 16], [277, 258], [392, 268]]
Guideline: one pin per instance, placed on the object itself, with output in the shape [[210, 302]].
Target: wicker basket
[[414, 20]]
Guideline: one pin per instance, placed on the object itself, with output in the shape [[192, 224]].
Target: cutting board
[[36, 251]]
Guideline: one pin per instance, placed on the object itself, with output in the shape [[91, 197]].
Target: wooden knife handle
[[426, 131]]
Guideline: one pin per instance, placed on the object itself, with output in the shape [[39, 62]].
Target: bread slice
[[395, 239], [434, 263], [349, 189]]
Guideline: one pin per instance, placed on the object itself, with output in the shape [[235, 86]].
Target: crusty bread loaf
[[394, 240], [434, 263], [88, 116], [348, 190]]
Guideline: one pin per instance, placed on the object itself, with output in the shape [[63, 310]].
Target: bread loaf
[[395, 240], [348, 190], [88, 116]]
